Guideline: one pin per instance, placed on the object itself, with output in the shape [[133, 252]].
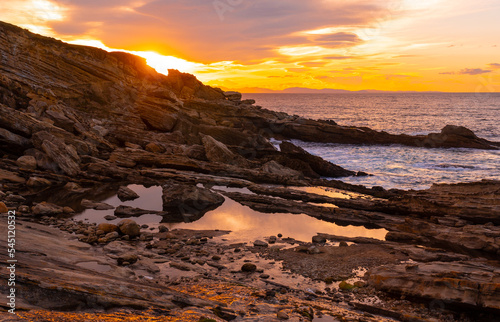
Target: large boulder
[[125, 194], [458, 130], [189, 199], [456, 283], [233, 96], [129, 227], [65, 156], [218, 152], [161, 118], [3, 208], [107, 228], [47, 209], [13, 140], [36, 182], [42, 160], [127, 211], [274, 167], [26, 162], [322, 167]]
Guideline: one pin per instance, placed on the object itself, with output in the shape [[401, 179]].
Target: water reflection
[[246, 224]]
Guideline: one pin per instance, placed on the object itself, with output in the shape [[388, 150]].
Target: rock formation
[[78, 124]]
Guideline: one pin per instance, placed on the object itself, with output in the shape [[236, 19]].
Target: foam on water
[[415, 113], [410, 168]]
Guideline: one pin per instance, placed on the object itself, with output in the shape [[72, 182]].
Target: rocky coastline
[[79, 125]]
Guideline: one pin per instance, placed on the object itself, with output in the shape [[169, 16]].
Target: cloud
[[397, 76], [218, 30], [339, 39], [473, 71], [338, 57]]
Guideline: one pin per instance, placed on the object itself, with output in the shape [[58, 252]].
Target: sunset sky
[[438, 45]]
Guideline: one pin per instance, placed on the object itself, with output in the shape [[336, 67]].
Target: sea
[[396, 166]]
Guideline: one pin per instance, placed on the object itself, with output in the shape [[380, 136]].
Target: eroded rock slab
[[460, 283]]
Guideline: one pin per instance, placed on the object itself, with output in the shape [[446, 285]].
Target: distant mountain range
[[305, 90]]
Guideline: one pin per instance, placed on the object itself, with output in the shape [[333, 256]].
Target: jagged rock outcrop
[[317, 164], [458, 283], [187, 200], [74, 108], [219, 152]]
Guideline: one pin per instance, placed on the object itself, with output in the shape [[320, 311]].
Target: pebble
[[282, 315], [260, 243], [248, 267]]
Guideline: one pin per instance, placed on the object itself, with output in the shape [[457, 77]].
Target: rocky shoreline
[[78, 125]]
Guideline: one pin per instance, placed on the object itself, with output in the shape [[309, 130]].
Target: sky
[[247, 45]]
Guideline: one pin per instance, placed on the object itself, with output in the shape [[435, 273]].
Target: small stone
[[343, 244], [360, 284], [313, 250], [125, 194], [248, 267], [260, 243], [127, 259], [23, 209], [272, 240], [345, 286], [155, 148], [27, 162], [144, 226], [318, 239], [107, 228], [133, 146], [282, 315], [111, 236], [110, 217], [72, 186], [216, 258], [280, 235], [163, 228], [35, 182], [47, 209], [264, 276], [329, 280], [68, 210], [129, 227], [3, 208]]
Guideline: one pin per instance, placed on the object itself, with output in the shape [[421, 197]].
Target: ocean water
[[410, 113]]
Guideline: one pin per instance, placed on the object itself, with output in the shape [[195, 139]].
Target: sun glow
[[35, 14], [160, 63]]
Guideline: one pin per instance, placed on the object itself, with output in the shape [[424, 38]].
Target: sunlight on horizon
[[159, 62], [35, 14], [398, 45]]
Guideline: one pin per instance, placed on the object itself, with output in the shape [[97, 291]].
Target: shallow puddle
[[149, 199], [332, 192], [246, 224]]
